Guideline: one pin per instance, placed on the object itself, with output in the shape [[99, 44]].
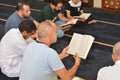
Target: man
[[112, 72], [51, 12], [22, 13], [12, 47], [41, 62]]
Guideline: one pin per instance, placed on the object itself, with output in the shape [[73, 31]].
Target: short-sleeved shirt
[[110, 72], [40, 62], [74, 8], [47, 14], [12, 48], [14, 20]]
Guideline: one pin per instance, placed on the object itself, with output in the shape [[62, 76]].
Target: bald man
[[42, 62], [112, 72]]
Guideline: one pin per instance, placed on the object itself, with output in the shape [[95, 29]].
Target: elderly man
[[41, 62], [22, 13], [111, 72]]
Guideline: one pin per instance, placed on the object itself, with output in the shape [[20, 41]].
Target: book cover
[[80, 44]]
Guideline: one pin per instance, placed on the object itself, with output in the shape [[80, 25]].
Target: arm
[[69, 74], [62, 17], [81, 11], [68, 14], [64, 53]]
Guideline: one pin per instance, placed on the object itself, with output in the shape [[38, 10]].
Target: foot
[[92, 21]]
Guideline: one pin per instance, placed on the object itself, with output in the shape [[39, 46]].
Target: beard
[[58, 11]]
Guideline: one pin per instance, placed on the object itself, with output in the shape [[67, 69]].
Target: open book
[[83, 16], [77, 78], [80, 44], [73, 21]]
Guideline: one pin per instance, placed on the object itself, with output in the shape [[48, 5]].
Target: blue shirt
[[40, 62], [14, 20]]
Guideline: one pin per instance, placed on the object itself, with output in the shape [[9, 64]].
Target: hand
[[67, 27], [77, 59], [64, 53], [82, 19]]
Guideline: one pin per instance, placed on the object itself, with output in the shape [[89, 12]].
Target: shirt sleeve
[[54, 61], [67, 6]]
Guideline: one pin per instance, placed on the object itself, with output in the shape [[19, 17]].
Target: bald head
[[45, 28], [116, 49]]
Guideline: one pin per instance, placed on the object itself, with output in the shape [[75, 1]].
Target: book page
[[83, 16], [74, 46], [73, 21], [77, 78], [80, 44], [85, 46]]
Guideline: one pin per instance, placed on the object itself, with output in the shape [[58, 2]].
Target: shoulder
[[105, 70], [47, 7], [52, 51], [13, 16]]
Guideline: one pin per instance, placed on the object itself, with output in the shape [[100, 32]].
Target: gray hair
[[116, 49], [44, 28]]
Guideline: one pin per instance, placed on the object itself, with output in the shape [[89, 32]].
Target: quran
[[73, 21], [83, 16], [80, 44], [77, 78]]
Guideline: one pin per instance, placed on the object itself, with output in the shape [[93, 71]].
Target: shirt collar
[[74, 5], [117, 62]]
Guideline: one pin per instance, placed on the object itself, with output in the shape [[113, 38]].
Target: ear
[[24, 33], [114, 57]]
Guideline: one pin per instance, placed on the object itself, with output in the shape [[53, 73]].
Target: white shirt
[[110, 72], [11, 52], [75, 5]]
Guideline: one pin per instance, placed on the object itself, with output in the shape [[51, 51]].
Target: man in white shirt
[[12, 47], [111, 72]]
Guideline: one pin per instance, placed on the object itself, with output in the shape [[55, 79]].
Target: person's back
[[47, 14], [43, 62], [12, 47], [6, 48], [111, 72], [22, 13], [13, 21]]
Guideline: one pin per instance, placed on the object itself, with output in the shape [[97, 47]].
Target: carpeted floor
[[99, 55]]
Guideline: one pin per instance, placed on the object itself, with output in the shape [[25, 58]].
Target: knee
[[60, 33]]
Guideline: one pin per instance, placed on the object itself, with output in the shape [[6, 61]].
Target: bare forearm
[[73, 70], [62, 17]]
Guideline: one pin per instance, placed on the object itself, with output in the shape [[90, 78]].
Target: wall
[[98, 3]]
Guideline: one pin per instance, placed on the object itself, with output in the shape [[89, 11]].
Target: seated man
[[75, 8], [111, 72], [51, 12], [41, 62], [22, 13], [12, 47]]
